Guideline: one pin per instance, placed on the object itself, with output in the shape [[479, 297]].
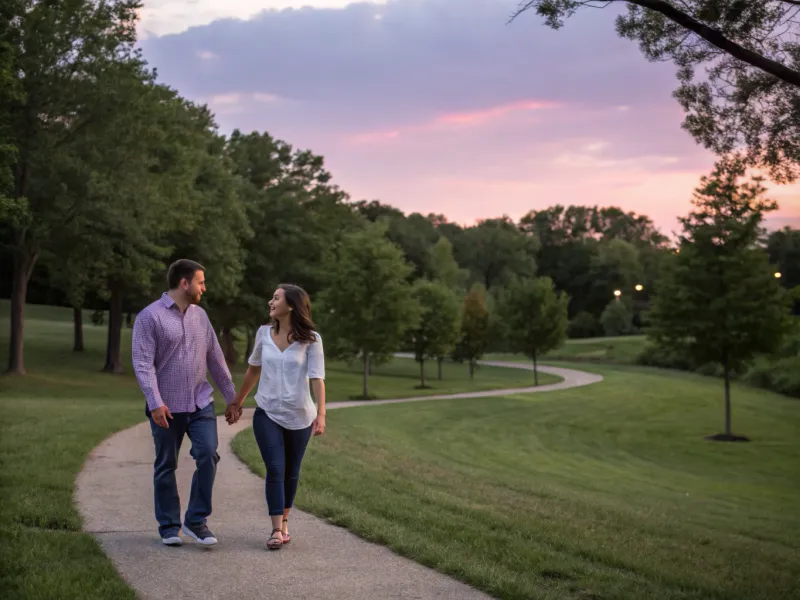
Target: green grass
[[609, 492], [64, 407], [619, 350]]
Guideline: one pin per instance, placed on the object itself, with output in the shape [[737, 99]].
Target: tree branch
[[792, 2], [715, 38]]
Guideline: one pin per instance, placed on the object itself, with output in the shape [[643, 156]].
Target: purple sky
[[440, 105]]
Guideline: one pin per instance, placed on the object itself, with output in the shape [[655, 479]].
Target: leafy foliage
[[738, 69], [474, 328], [535, 317], [718, 300]]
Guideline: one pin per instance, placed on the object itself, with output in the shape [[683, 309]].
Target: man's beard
[[193, 299]]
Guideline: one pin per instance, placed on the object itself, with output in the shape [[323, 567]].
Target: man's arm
[[143, 354], [217, 366]]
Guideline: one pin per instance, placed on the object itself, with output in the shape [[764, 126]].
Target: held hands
[[160, 416], [318, 426], [233, 412]]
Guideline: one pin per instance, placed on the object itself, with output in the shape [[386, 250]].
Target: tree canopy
[[738, 68]]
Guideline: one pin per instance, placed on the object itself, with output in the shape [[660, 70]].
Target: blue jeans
[[282, 451], [201, 427]]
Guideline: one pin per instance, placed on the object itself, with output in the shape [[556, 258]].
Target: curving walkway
[[114, 495]]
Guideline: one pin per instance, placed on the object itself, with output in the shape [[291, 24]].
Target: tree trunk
[[727, 376], [77, 320], [439, 366], [535, 371], [422, 373], [21, 274], [228, 346], [113, 355], [249, 349], [366, 372]]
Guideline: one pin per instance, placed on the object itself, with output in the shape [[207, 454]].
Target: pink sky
[[439, 106]]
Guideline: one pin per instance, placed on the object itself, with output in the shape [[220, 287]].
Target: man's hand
[[233, 412], [318, 426], [160, 416]]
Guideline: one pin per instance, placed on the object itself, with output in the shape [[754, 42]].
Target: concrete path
[[114, 494]]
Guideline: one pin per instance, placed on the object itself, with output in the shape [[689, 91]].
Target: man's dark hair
[[182, 269]]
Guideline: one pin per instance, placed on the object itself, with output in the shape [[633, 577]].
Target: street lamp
[[617, 293], [778, 275], [639, 287]]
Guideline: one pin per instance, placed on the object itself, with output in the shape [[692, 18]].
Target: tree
[[535, 318], [738, 69], [368, 305], [617, 318], [495, 250], [438, 329], [474, 336], [783, 248], [62, 56], [444, 267], [718, 299]]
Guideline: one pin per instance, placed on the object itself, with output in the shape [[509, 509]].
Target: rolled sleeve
[[143, 352], [255, 355], [316, 359]]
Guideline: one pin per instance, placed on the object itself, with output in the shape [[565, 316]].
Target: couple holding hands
[[174, 347]]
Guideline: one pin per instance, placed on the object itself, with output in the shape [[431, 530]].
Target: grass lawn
[[620, 350], [605, 492], [54, 416]]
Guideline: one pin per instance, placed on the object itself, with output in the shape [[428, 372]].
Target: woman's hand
[[318, 426]]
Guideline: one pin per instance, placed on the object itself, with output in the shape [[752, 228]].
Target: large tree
[[534, 317], [495, 250], [368, 305], [439, 323], [738, 68], [718, 299], [63, 56]]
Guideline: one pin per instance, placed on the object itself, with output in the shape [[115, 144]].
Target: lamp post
[[778, 275]]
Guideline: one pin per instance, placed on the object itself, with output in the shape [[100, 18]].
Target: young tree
[[368, 305], [535, 318], [437, 332], [718, 298], [617, 318], [444, 267], [474, 329], [738, 68]]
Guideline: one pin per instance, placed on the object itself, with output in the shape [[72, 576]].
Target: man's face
[[195, 288]]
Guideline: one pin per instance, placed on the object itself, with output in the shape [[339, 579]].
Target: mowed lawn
[[605, 492], [620, 350], [64, 407]]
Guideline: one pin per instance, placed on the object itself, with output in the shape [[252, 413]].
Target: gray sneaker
[[171, 538], [200, 533]]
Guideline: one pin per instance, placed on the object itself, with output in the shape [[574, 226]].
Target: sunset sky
[[441, 105]]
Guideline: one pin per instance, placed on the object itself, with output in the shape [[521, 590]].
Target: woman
[[287, 354]]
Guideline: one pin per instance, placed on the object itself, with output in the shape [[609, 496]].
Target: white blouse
[[283, 388]]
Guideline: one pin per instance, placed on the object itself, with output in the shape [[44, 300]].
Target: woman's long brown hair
[[300, 315]]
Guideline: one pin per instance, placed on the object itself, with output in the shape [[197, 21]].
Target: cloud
[[403, 95], [457, 120]]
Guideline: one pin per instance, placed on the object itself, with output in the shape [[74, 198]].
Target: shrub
[[584, 325], [617, 319], [782, 375]]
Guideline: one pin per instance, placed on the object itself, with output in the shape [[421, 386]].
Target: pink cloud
[[480, 117], [456, 120]]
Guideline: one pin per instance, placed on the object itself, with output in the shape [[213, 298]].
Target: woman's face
[[278, 308]]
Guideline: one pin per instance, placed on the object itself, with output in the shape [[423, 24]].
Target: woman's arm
[[250, 379], [318, 388]]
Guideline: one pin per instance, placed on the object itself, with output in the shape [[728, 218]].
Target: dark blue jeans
[[201, 427], [282, 451]]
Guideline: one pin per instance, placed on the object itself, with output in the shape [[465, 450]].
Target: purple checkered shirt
[[171, 352]]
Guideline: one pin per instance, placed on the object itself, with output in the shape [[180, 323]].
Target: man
[[173, 345]]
